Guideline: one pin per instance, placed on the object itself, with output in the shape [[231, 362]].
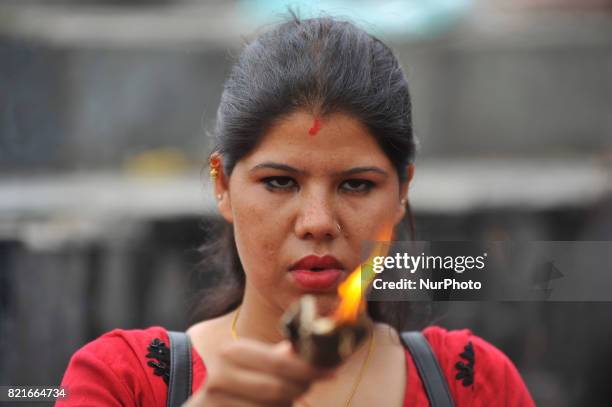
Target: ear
[[222, 192], [403, 193]]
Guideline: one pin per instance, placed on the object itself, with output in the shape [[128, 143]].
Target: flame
[[351, 302]]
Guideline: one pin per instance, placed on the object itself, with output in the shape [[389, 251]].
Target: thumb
[[285, 348]]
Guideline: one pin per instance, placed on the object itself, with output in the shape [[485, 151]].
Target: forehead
[[339, 137]]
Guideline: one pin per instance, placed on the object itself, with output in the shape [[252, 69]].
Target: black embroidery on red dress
[[466, 371], [158, 350]]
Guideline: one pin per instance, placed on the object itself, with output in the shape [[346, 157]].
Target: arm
[[91, 382]]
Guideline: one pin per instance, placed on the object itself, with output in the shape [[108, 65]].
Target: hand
[[256, 374]]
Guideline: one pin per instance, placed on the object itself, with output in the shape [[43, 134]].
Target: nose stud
[[338, 227]]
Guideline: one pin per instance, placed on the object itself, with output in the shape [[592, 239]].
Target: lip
[[326, 278], [312, 261]]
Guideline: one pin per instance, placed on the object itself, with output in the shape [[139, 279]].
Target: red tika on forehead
[[316, 126]]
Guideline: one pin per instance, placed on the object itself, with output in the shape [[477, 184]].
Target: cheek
[[378, 211], [364, 222], [257, 237]]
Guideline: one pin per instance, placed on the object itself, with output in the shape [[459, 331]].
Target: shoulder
[[113, 369], [116, 345], [477, 372], [210, 335], [127, 351], [453, 346]]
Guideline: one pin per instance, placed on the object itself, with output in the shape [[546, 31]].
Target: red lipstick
[[314, 273]]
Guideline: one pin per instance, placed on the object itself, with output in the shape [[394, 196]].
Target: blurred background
[[104, 111]]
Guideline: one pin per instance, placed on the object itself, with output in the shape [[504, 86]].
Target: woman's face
[[298, 195]]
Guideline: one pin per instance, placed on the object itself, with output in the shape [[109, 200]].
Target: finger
[[204, 397], [285, 348], [257, 385], [277, 360], [231, 400]]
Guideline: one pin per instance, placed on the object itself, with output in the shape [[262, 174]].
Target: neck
[[258, 318]]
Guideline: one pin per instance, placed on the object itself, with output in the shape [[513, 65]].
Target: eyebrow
[[288, 168]]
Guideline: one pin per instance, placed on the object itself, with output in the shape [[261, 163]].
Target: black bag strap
[[428, 368], [179, 386]]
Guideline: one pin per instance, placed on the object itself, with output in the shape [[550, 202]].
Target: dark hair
[[323, 66]]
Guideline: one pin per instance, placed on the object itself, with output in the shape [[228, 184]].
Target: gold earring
[[214, 164]]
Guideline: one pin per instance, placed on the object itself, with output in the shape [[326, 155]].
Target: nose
[[316, 218]]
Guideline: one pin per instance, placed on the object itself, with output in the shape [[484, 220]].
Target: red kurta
[[113, 371]]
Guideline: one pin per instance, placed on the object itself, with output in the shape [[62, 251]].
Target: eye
[[357, 185], [280, 183]]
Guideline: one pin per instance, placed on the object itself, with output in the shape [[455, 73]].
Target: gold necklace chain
[[364, 365]]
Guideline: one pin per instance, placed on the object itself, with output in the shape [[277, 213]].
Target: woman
[[314, 152]]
